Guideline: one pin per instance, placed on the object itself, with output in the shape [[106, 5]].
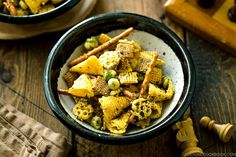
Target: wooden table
[[21, 72]]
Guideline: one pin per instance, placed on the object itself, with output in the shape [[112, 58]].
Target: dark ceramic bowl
[[29, 19], [152, 35]]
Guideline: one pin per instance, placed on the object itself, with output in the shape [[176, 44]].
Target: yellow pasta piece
[[161, 94], [89, 66], [35, 5], [128, 78], [82, 87], [83, 110], [156, 109], [120, 124], [141, 108], [112, 106]]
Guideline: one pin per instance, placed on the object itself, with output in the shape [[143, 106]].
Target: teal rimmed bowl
[[152, 35]]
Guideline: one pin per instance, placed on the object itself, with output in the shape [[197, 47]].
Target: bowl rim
[[36, 18], [131, 138]]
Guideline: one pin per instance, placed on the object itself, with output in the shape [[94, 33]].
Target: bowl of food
[[33, 11], [119, 78]]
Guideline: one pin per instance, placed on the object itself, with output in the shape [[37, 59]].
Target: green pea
[[91, 43], [113, 83], [96, 122], [109, 74]]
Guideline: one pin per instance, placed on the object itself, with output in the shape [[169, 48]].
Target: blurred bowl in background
[[35, 18]]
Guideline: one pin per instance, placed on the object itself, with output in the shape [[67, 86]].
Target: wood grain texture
[[215, 93], [154, 147], [24, 61]]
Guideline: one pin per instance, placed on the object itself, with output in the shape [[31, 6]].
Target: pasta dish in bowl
[[122, 83]]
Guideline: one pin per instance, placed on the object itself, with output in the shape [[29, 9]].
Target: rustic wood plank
[[37, 53], [215, 94], [153, 147], [23, 63], [11, 64]]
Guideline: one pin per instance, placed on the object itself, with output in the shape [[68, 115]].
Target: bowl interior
[[172, 69], [153, 36]]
